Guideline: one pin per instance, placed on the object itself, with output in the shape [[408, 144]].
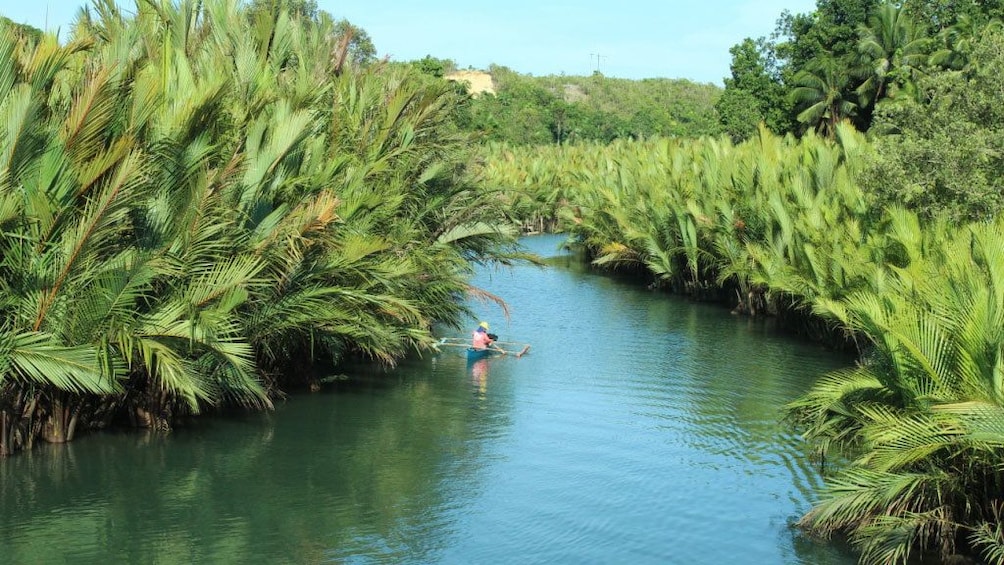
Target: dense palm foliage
[[820, 93], [923, 415], [771, 213], [894, 53], [196, 200]]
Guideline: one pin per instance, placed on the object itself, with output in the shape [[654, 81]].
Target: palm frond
[[36, 358]]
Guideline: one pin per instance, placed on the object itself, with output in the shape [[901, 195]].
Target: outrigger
[[495, 349]]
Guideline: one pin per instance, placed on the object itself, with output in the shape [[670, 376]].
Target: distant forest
[[557, 109]]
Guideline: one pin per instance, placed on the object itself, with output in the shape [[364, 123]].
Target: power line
[[598, 57]]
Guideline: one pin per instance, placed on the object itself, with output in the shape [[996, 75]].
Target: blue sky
[[634, 39]]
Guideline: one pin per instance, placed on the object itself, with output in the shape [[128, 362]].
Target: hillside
[[523, 109], [674, 107]]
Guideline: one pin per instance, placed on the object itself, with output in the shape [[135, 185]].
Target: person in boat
[[481, 339]]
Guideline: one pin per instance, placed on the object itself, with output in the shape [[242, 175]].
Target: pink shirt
[[481, 340]]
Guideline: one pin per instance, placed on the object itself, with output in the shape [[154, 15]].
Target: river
[[640, 428]]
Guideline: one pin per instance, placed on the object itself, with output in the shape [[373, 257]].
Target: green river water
[[641, 428]]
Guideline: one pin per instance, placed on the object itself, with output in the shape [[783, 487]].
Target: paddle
[[517, 343], [522, 352]]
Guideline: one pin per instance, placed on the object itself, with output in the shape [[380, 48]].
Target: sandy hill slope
[[477, 81]]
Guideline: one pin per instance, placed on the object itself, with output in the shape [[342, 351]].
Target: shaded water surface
[[641, 428]]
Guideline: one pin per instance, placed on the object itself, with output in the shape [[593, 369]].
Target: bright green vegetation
[[945, 154], [846, 60], [922, 416], [196, 198], [770, 214], [920, 77]]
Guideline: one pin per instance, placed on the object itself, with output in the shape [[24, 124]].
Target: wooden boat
[[476, 354]]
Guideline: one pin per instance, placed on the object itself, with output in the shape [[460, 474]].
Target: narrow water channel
[[640, 428]]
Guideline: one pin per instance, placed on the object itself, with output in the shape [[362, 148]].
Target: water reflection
[[479, 377], [329, 476]]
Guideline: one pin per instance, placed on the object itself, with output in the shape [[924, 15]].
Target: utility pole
[[598, 57]]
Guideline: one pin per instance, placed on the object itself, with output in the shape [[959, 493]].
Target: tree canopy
[[844, 60]]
